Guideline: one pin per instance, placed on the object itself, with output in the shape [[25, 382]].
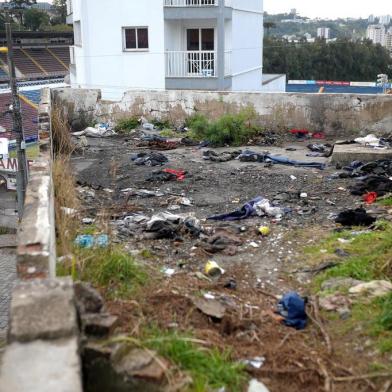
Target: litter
[[169, 271], [254, 244], [256, 362], [293, 177], [88, 221], [180, 174], [231, 284], [251, 156], [222, 240], [161, 175], [220, 157], [69, 211], [149, 159], [100, 130], [264, 231], [89, 241], [258, 206], [143, 193], [358, 217], [257, 386], [370, 197], [212, 269], [292, 308]]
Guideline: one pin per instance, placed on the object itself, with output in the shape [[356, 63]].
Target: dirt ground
[[261, 267]]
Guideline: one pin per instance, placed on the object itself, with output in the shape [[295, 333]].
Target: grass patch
[[127, 125], [230, 129], [371, 254], [161, 124], [168, 133], [209, 369], [112, 269], [387, 202]]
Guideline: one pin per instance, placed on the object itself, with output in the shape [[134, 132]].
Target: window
[[135, 38]]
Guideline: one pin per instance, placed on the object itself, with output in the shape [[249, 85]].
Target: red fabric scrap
[[180, 174], [318, 135], [370, 197], [299, 131]]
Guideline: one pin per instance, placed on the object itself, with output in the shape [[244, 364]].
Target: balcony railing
[[191, 64], [191, 3]]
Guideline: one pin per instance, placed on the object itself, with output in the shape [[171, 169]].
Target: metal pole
[[17, 126]]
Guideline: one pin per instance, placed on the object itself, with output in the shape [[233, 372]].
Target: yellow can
[[264, 231], [213, 269]]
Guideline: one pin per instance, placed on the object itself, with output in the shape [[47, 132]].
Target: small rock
[[375, 288], [257, 386], [135, 362], [88, 300], [98, 324], [344, 313], [341, 253], [210, 307], [339, 283]]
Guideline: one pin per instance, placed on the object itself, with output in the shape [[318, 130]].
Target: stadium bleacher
[[32, 95]]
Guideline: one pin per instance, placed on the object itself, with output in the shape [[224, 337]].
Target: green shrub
[[386, 316], [230, 129], [127, 124], [161, 124]]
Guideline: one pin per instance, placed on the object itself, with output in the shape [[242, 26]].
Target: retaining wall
[[335, 114], [42, 352]]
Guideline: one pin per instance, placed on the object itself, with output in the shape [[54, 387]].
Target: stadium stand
[[38, 55], [34, 96], [30, 118]]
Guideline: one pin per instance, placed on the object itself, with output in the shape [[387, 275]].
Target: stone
[[43, 309], [88, 299], [41, 366], [210, 307], [335, 302], [375, 288], [98, 324], [257, 386], [344, 154], [339, 283], [135, 362]]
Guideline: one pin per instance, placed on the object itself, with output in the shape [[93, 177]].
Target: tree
[[268, 26], [60, 7], [17, 8], [35, 19]]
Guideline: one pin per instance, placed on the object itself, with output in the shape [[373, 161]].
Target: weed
[[112, 269], [371, 254], [61, 133], [230, 129], [387, 202], [126, 125], [168, 133], [386, 316], [161, 124], [147, 254], [209, 369]]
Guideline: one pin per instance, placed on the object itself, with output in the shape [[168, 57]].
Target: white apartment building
[[324, 32], [376, 33], [388, 40], [385, 19], [168, 44]]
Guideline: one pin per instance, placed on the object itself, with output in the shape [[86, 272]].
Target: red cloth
[[180, 174], [370, 197], [299, 131]]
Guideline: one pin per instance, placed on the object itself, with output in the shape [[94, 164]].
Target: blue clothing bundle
[[292, 308], [251, 156], [245, 212]]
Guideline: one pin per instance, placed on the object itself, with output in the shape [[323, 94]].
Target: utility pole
[[17, 126]]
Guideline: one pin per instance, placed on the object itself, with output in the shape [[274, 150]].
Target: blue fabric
[[245, 212], [251, 156], [292, 308], [89, 241]]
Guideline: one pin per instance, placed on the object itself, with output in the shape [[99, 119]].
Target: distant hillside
[[340, 28]]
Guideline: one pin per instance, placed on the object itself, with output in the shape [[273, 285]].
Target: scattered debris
[[91, 241], [210, 307], [212, 269], [292, 308], [357, 217]]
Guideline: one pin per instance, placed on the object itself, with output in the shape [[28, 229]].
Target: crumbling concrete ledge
[[36, 252], [42, 354]]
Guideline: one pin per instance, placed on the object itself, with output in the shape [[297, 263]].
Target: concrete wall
[[336, 114], [42, 352]]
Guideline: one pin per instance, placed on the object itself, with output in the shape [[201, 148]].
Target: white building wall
[[247, 45], [102, 63]]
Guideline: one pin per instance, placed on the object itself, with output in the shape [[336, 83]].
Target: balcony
[[191, 64], [196, 9], [191, 3], [195, 70]]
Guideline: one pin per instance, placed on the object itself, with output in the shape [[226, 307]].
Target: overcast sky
[[331, 8]]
